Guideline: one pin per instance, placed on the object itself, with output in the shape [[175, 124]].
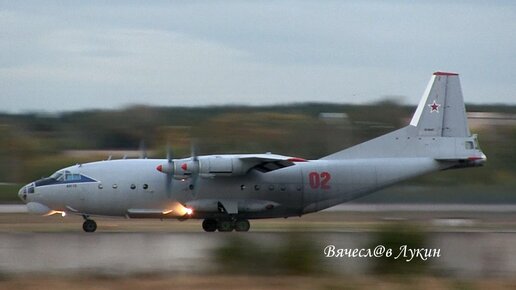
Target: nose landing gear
[[89, 226], [240, 225]]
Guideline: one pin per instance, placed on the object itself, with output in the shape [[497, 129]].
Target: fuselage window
[[115, 185], [145, 186], [133, 186], [271, 187], [283, 187], [100, 186], [257, 187]]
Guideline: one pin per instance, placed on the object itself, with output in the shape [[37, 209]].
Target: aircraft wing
[[267, 162], [226, 165]]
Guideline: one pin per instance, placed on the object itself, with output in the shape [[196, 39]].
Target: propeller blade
[[193, 150], [193, 183], [143, 150], [195, 170], [168, 184], [169, 153], [169, 178]]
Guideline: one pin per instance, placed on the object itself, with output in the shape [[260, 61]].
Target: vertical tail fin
[[439, 129], [441, 111]]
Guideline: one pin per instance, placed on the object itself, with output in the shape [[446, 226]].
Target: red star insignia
[[434, 107], [184, 166]]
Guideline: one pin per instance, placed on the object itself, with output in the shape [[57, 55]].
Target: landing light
[[189, 211], [63, 214]]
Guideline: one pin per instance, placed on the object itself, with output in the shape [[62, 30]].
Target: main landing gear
[[209, 225], [89, 226], [239, 225]]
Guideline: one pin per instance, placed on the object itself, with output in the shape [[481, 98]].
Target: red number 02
[[319, 180]]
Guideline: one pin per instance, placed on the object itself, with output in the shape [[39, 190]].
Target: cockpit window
[[57, 176], [469, 145], [68, 176], [64, 177]]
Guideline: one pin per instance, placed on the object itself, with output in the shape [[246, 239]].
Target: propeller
[[185, 169], [169, 178], [143, 150], [195, 171]]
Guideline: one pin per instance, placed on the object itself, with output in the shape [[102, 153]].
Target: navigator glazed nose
[[22, 193]]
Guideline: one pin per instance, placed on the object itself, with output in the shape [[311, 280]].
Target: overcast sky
[[67, 55]]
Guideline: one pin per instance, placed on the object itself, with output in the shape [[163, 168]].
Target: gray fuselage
[[226, 190], [117, 186]]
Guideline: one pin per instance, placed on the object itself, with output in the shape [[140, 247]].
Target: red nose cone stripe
[[159, 168], [183, 166], [296, 159]]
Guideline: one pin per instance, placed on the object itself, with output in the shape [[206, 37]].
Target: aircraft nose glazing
[[27, 191], [23, 193]]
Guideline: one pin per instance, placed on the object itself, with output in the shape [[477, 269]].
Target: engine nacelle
[[204, 166]]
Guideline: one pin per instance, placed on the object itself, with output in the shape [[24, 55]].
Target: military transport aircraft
[[228, 190]]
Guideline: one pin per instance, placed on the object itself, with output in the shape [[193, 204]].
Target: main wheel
[[225, 226], [209, 225], [89, 226], [242, 225]]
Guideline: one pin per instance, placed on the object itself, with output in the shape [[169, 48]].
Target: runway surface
[[474, 241], [13, 208], [352, 207], [461, 254]]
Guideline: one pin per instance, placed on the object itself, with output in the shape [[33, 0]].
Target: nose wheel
[[89, 226]]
